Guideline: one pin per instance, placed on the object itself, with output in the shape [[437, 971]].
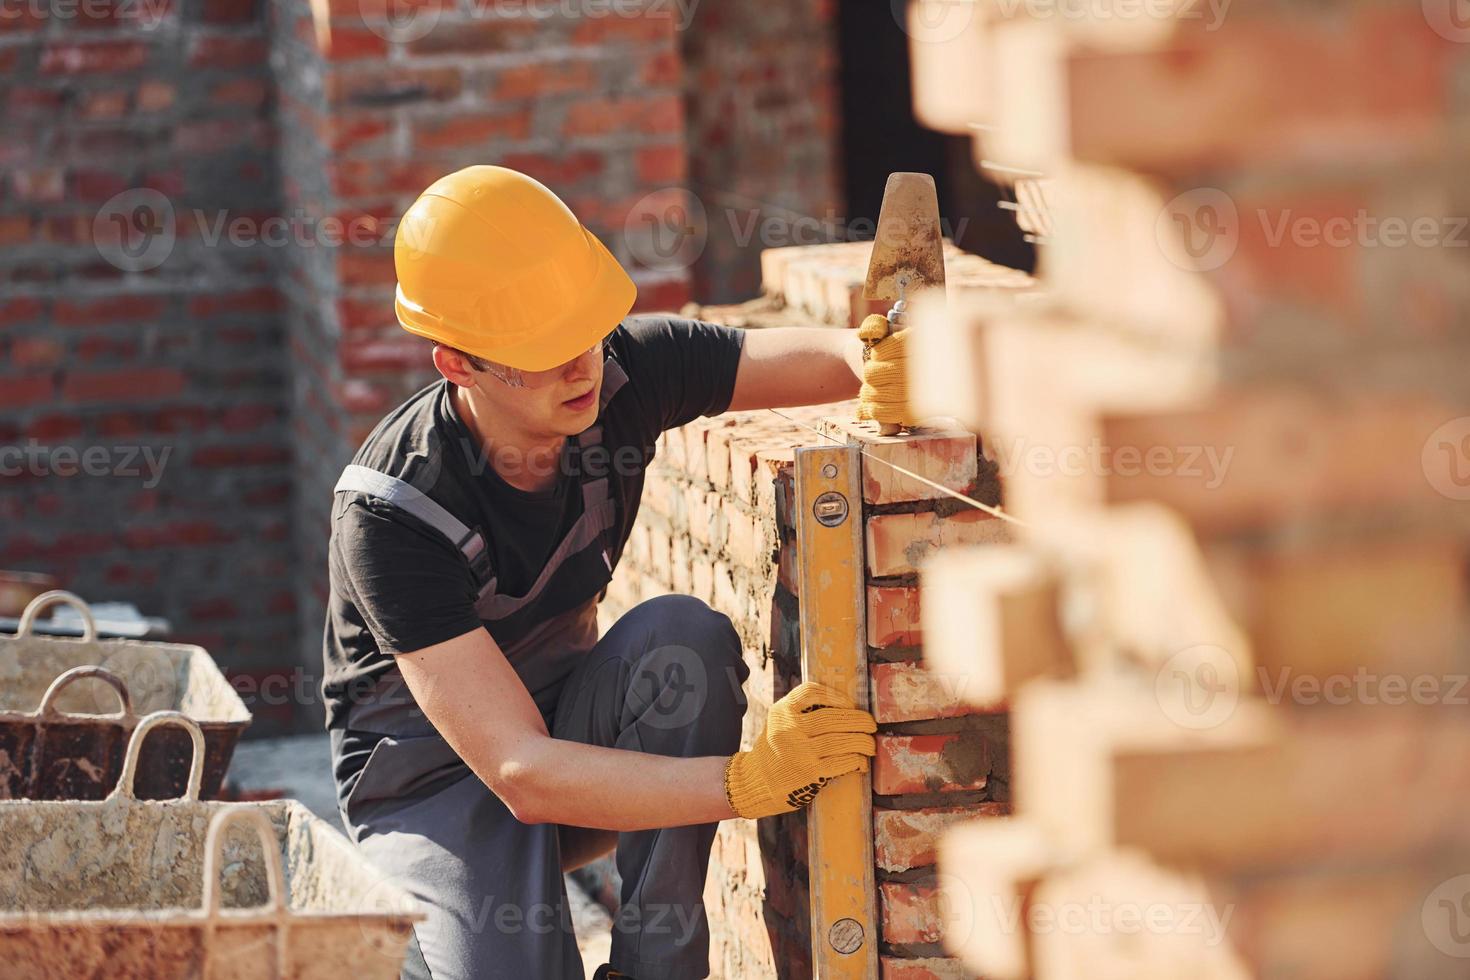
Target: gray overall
[[666, 680]]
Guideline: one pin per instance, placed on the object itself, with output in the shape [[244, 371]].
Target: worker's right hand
[[814, 734], [884, 396]]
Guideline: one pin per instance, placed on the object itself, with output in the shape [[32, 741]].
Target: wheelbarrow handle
[[48, 706], [274, 909], [214, 845], [125, 789], [48, 599]]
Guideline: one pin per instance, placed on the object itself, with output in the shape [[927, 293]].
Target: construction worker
[[484, 738]]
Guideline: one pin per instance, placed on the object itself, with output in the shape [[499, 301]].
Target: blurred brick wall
[[589, 105], [259, 357], [761, 91], [160, 335]]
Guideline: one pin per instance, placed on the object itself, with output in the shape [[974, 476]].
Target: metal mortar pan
[[188, 889], [64, 740]]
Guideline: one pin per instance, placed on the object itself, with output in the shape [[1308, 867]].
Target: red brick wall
[[761, 91], [718, 522], [589, 105], [158, 116]]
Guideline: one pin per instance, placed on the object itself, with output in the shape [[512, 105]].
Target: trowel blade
[[908, 241]]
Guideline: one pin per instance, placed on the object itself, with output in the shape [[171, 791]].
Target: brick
[[1345, 606], [263, 299], [893, 616], [907, 839], [227, 51], [351, 44], [480, 35], [20, 392], [909, 692], [992, 619], [740, 535], [1263, 456], [646, 28], [560, 169], [113, 309], [924, 968], [1245, 789], [94, 58], [947, 458], [471, 130], [46, 186], [897, 544], [398, 86], [662, 164], [542, 79], [137, 385], [931, 763], [787, 572], [1000, 859], [912, 913], [154, 96], [238, 12], [1245, 95], [601, 116], [21, 310], [717, 452]]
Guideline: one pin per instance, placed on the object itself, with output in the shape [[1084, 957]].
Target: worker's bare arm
[[785, 366], [472, 695]]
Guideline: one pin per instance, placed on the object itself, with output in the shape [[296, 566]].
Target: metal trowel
[[908, 250]]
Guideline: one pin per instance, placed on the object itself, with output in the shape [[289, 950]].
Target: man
[[484, 738]]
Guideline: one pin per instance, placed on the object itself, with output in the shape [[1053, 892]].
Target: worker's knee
[[691, 671]]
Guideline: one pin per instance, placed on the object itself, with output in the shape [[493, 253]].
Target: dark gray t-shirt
[[397, 585]]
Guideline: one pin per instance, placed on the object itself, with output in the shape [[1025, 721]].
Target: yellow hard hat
[[492, 262]]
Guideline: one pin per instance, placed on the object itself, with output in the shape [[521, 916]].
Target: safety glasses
[[517, 378]]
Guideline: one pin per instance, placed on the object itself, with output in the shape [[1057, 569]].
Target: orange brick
[[898, 543], [925, 968], [912, 913], [945, 457], [1248, 93], [906, 839], [893, 616], [931, 763], [909, 692]]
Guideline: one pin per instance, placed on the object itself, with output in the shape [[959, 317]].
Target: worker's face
[[558, 401]]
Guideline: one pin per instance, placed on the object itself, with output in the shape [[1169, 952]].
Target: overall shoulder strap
[[412, 500], [613, 379]]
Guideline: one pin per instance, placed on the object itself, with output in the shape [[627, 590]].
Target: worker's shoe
[[606, 972]]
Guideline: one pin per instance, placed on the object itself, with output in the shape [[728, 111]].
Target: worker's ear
[[454, 366]]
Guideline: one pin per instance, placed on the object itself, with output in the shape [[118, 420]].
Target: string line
[[987, 508]]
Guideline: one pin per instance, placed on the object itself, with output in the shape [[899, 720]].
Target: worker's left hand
[[884, 394], [813, 735]]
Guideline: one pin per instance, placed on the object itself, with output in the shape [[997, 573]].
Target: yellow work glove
[[885, 392], [814, 734]]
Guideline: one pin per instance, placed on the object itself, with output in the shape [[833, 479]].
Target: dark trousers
[[664, 680]]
